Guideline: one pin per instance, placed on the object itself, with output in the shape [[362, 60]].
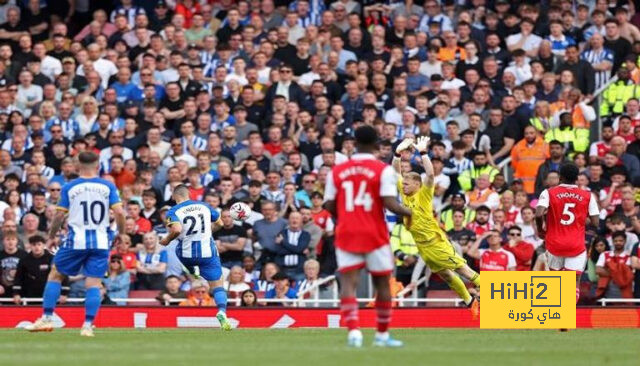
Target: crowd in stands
[[256, 101]]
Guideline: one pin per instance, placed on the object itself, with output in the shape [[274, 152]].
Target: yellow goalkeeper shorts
[[439, 254]]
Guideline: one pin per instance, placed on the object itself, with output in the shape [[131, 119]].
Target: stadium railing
[[605, 301], [411, 291], [315, 294]]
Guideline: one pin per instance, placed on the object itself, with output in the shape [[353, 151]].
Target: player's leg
[[95, 266], [66, 262], [349, 266], [211, 270], [471, 275], [380, 265], [577, 264]]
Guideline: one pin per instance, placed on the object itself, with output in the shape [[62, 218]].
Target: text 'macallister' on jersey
[[195, 239], [567, 210], [357, 186], [87, 201]]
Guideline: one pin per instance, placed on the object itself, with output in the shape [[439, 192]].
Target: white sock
[[47, 317], [86, 324], [384, 336]]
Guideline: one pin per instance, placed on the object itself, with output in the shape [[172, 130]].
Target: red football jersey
[[499, 260], [567, 210], [357, 186]]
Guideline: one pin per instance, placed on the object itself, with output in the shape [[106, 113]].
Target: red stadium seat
[[143, 294], [441, 294]]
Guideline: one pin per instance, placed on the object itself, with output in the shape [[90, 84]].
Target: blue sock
[[220, 297], [91, 304], [50, 297]]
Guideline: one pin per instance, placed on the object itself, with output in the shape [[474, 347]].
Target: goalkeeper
[[433, 245]]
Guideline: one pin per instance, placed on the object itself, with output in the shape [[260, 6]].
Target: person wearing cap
[[281, 290], [617, 94]]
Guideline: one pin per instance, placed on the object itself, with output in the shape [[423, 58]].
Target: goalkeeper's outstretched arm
[[428, 170]]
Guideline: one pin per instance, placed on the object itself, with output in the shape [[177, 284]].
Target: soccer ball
[[240, 211]]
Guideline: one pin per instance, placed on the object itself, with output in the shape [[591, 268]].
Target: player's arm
[[392, 204], [422, 145], [473, 250], [174, 228], [389, 192], [56, 225], [330, 193], [397, 158], [119, 216], [594, 211], [541, 213]]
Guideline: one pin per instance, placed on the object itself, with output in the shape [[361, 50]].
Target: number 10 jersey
[[357, 186], [87, 200], [567, 210]]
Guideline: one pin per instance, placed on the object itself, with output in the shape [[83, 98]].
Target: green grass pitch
[[310, 347]]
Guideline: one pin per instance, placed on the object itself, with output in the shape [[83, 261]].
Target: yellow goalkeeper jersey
[[423, 226]]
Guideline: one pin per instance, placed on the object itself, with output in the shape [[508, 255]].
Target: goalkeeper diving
[[433, 245]]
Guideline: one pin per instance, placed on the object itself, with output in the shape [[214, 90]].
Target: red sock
[[383, 315], [349, 312]]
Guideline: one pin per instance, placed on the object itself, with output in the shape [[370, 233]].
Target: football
[[240, 211]]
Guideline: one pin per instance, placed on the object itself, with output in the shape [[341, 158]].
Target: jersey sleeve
[[215, 215], [543, 200], [511, 260], [172, 218], [114, 197], [600, 262], [426, 194], [593, 206], [388, 182], [164, 257], [330, 188], [63, 203]]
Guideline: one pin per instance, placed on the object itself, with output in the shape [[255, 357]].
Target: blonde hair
[[197, 283], [413, 176]]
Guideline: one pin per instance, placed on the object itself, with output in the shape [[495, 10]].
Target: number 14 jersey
[[567, 210], [358, 186]]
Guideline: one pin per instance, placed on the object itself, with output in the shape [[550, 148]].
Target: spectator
[[292, 247], [151, 264], [171, 291], [521, 250], [266, 230], [118, 280], [32, 270], [199, 295], [248, 299], [230, 241], [527, 156], [495, 258], [613, 268], [281, 290], [10, 257], [235, 280], [405, 253]]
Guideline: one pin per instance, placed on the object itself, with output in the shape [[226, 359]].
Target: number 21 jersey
[[195, 240], [567, 210], [358, 186]]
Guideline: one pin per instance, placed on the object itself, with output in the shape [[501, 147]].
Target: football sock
[[220, 297], [475, 279], [349, 312], [577, 294], [50, 297], [383, 315], [458, 286], [91, 304]]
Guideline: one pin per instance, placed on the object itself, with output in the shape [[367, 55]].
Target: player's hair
[[413, 176], [88, 158], [181, 190], [569, 172], [366, 135]]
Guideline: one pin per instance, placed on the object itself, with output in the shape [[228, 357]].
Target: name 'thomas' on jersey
[[357, 186], [195, 239], [87, 200], [567, 210]]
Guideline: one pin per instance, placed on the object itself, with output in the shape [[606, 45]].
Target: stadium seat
[[440, 294], [143, 294]]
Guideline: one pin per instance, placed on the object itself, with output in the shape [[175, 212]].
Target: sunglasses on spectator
[[514, 234], [54, 189], [176, 144], [115, 261], [286, 71], [200, 292], [309, 181], [145, 74]]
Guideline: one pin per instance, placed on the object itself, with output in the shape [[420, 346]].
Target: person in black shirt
[[13, 29], [502, 138], [230, 240], [233, 26], [171, 105], [10, 257], [300, 61], [58, 51], [618, 45], [32, 271]]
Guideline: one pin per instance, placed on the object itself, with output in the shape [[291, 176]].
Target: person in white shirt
[[103, 67], [401, 102], [305, 80], [520, 68], [28, 94], [525, 40], [238, 72], [50, 67], [450, 79], [432, 65]]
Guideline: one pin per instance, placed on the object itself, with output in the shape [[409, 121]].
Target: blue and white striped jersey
[[87, 200], [598, 56], [195, 239]]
